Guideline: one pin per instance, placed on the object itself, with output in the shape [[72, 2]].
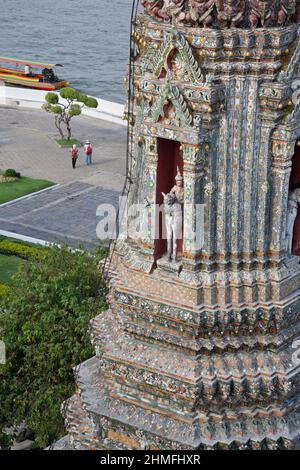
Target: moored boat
[[31, 74]]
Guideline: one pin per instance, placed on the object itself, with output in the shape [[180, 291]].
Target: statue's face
[[179, 183]]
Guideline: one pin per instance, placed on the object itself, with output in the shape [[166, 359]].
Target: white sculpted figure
[[293, 201], [178, 188], [173, 202]]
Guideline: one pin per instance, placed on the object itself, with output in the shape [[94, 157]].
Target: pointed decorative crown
[[178, 177]]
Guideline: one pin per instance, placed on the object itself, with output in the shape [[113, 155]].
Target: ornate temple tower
[[198, 353]]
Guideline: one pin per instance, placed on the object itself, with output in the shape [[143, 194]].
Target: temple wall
[[242, 177], [234, 172], [237, 180]]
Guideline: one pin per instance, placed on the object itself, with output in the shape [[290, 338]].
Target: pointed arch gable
[[173, 94], [176, 40]]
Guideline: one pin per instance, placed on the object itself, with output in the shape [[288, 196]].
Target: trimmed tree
[[74, 102], [44, 325]]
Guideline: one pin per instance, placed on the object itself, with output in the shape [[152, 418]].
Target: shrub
[[4, 289], [44, 322], [10, 173], [23, 251]]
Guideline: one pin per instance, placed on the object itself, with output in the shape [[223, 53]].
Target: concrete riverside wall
[[27, 98]]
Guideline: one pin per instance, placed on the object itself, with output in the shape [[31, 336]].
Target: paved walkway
[[67, 212], [27, 145]]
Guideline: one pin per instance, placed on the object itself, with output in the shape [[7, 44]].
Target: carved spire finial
[[179, 176]]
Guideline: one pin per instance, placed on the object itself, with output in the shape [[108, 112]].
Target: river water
[[90, 37]]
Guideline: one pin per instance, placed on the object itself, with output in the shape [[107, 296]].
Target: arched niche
[[294, 179], [169, 158]]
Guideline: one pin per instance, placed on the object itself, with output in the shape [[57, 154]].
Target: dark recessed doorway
[[294, 179], [169, 158]]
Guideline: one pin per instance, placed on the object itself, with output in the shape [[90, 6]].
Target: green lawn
[[23, 186], [68, 143], [8, 266]]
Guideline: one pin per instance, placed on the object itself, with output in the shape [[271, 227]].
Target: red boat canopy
[[30, 63]]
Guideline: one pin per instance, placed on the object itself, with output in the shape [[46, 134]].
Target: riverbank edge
[[14, 97]]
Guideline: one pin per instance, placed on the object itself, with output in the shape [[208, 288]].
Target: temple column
[[193, 230], [280, 175], [149, 192], [262, 183], [273, 99]]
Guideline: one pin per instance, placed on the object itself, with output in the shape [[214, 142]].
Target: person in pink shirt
[[88, 150]]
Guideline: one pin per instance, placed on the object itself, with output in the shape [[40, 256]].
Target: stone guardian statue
[[173, 208]]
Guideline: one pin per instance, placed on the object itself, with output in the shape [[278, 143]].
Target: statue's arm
[[296, 195]]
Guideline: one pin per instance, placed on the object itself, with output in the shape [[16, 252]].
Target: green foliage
[[9, 265], [5, 441], [101, 251], [11, 173], [4, 289], [70, 94], [44, 322], [52, 98], [81, 97], [64, 112], [8, 247], [91, 102], [52, 108], [75, 110]]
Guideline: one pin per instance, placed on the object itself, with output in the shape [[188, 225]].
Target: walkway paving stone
[[63, 214]]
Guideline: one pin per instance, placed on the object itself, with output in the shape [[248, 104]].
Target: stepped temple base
[[159, 381], [97, 418], [170, 374]]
